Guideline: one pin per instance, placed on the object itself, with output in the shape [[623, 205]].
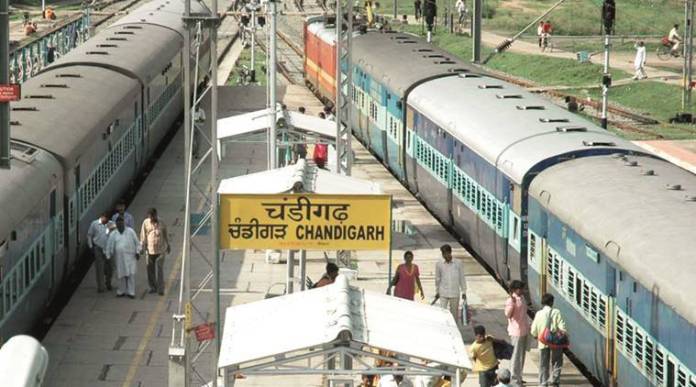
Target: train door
[[53, 243]]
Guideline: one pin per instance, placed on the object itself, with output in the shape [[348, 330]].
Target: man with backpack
[[550, 329]]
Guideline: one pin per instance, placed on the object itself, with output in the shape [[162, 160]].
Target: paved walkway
[[681, 153]]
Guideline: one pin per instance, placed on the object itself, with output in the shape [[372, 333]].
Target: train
[[85, 128], [539, 194]]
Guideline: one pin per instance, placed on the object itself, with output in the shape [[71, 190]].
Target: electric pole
[[476, 29], [688, 54], [4, 80]]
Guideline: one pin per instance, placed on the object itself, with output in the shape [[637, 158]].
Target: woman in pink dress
[[406, 278]]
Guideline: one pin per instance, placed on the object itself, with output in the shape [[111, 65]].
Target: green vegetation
[[649, 98], [574, 17], [244, 61]]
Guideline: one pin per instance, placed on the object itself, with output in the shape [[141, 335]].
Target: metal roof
[[66, 97], [318, 317], [498, 121], [24, 185], [124, 48], [299, 177], [260, 120], [401, 60], [163, 13], [631, 216]]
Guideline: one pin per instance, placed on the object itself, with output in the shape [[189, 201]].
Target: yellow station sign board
[[305, 222]]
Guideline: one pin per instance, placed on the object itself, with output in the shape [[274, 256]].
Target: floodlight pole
[[252, 71], [476, 28], [4, 80], [606, 81]]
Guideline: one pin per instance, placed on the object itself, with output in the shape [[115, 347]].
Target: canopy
[[300, 177], [259, 121], [271, 336]]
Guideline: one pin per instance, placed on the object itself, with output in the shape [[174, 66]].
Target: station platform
[[100, 340]]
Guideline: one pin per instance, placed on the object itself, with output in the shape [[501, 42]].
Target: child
[[485, 362]]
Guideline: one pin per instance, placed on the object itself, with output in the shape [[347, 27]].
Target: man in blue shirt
[[97, 236], [121, 212]]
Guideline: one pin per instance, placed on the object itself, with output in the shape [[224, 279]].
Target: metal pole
[[4, 79], [606, 81], [43, 7], [303, 269], [476, 27], [253, 43], [395, 11], [343, 86], [686, 71], [690, 55], [272, 85], [290, 280], [214, 159]]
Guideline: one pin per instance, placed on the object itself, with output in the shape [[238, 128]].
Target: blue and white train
[[84, 129], [540, 195]]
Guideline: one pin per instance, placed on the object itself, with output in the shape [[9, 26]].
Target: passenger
[[540, 31], [639, 61], [155, 243], [321, 155], [483, 354], [518, 328], [460, 6], [328, 113], [551, 318], [123, 246], [450, 282], [402, 381], [367, 380], [97, 237], [406, 279], [121, 212], [328, 278], [30, 28], [503, 376]]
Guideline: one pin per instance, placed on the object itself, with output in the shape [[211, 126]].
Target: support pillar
[[476, 29], [272, 62], [4, 79], [303, 269]]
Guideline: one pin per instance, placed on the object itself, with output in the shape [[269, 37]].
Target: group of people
[[320, 156], [116, 247], [450, 284], [544, 30]]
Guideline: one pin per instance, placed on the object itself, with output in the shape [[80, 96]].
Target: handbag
[[554, 340], [502, 349]]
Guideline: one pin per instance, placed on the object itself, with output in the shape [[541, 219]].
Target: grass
[[245, 60], [574, 17], [655, 99]]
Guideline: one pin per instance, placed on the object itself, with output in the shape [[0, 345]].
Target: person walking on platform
[[97, 236], [123, 246], [518, 328], [450, 282], [550, 360], [406, 279], [122, 213], [417, 8], [483, 354], [155, 243]]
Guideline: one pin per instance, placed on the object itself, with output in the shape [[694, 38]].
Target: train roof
[[33, 174], [81, 99], [162, 13], [124, 48], [632, 217], [401, 61], [509, 127]]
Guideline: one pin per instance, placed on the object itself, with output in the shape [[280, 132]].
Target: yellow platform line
[[154, 318]]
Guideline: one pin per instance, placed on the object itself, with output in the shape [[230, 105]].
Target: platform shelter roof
[[270, 336], [300, 177], [259, 121]]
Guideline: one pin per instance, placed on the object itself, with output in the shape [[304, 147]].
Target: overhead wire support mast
[[182, 354], [344, 39], [4, 80]]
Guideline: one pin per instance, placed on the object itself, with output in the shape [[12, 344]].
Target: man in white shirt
[[450, 282], [97, 236], [460, 5], [675, 39]]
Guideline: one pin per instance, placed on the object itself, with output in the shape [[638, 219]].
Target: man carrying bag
[[550, 330]]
